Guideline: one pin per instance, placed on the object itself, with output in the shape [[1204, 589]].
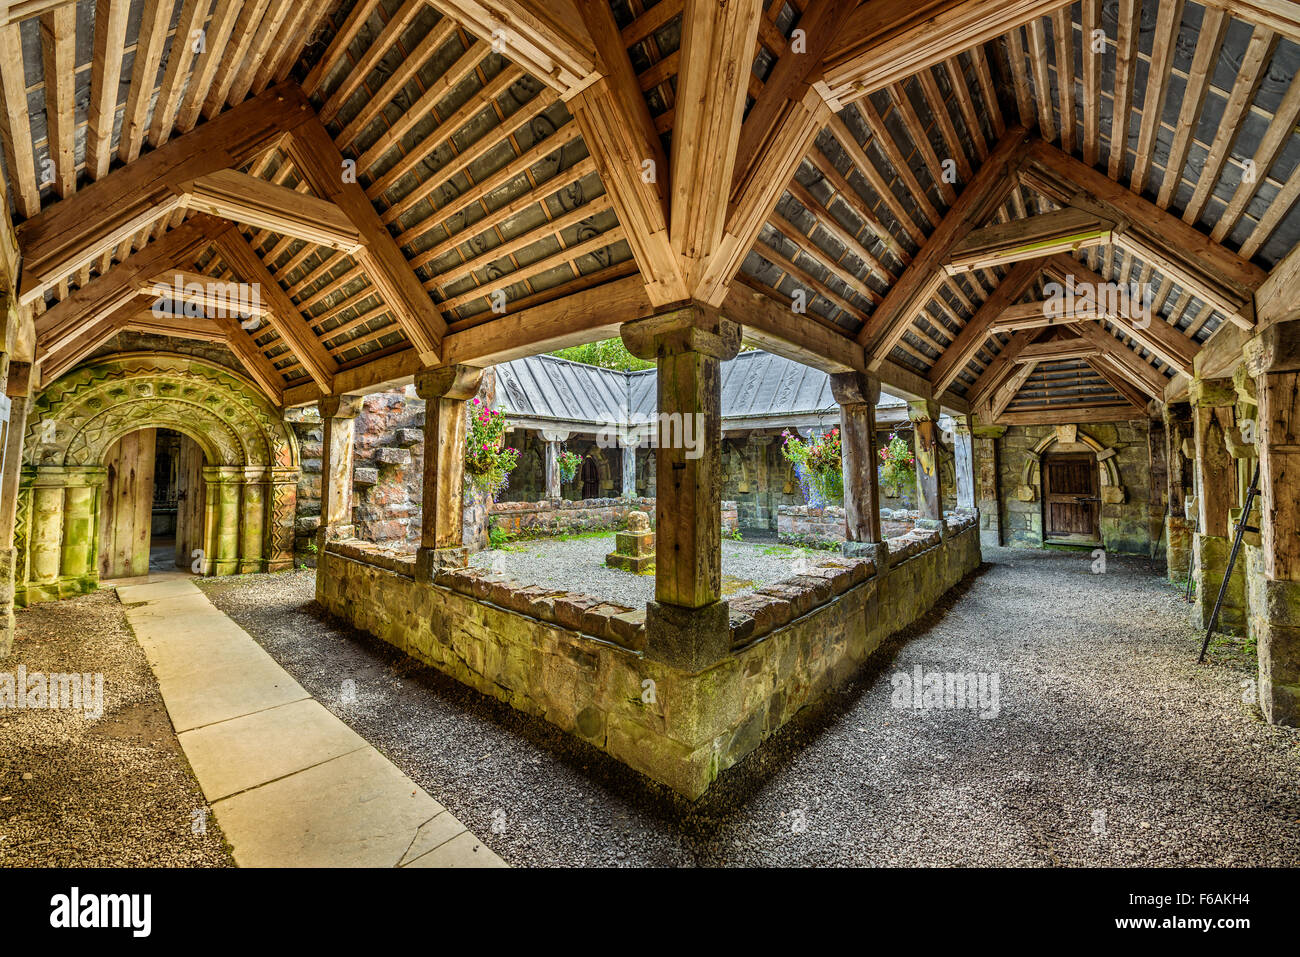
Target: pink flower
[[476, 401]]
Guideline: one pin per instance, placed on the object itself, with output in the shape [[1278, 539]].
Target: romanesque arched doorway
[[250, 473]]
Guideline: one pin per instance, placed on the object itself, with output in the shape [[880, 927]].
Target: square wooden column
[[1179, 462], [628, 447], [445, 392], [11, 452], [857, 395], [551, 463], [1273, 359], [338, 414], [963, 451], [924, 415], [1216, 495], [988, 497], [687, 623]]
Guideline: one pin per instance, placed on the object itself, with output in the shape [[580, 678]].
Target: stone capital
[[1212, 393], [923, 410], [694, 327], [448, 382], [340, 406]]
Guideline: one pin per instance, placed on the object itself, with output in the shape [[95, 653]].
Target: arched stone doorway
[[250, 481], [1068, 464]]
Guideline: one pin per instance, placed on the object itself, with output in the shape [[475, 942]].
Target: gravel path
[[1111, 746], [578, 564], [112, 791]]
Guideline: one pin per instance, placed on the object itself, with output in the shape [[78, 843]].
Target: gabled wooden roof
[[861, 185]]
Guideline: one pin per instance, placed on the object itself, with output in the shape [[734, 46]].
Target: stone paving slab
[[290, 784], [233, 756]]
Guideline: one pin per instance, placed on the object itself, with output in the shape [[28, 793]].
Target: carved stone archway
[[1068, 438], [251, 474]]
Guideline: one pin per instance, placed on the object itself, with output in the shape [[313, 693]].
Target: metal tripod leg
[[1242, 527]]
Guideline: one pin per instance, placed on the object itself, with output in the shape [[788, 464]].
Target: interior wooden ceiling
[[477, 167]]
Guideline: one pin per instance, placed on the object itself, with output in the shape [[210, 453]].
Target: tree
[[607, 353]]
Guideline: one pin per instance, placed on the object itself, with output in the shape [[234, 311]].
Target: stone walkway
[[289, 783]]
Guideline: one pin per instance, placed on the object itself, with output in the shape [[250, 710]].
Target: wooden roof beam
[[924, 275], [1079, 413], [1056, 350], [717, 54], [981, 325], [319, 161], [1160, 239], [620, 135], [74, 232], [246, 199], [1063, 230], [283, 314], [886, 41]]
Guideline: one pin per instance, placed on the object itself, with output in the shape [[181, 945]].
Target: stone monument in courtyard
[[634, 549]]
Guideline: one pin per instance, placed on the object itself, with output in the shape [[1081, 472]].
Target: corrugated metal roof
[[754, 384]]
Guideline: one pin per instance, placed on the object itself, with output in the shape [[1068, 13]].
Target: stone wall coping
[[546, 505]]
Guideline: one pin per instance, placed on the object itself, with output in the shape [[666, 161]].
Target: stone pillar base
[[429, 560], [1178, 548], [691, 639], [933, 525], [1211, 562], [1275, 623], [877, 552], [334, 533]]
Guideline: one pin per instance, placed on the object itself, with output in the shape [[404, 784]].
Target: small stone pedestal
[[634, 549]]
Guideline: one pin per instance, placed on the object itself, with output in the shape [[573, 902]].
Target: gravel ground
[[1111, 745], [112, 791], [578, 563]]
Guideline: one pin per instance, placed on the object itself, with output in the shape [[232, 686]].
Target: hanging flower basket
[[818, 464], [568, 463], [488, 461], [898, 466]]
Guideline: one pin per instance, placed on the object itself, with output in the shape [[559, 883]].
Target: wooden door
[[126, 517], [190, 501], [590, 479], [1070, 501]]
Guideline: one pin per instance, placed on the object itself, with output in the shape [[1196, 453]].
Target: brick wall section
[[576, 660]]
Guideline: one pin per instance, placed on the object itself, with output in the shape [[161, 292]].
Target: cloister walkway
[[1108, 745], [289, 783]]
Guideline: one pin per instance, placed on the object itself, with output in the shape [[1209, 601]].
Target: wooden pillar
[[1273, 358], [11, 459], [687, 623], [338, 415], [857, 395], [445, 391], [1216, 495], [924, 416], [988, 496], [1179, 441]]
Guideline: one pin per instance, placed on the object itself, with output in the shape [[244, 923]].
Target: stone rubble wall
[[578, 662], [585, 515]]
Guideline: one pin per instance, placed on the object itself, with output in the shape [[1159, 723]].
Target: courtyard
[[1110, 745]]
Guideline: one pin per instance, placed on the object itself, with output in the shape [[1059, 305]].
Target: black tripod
[[1242, 528]]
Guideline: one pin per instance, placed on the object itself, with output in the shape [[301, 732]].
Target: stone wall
[[1129, 521], [579, 662], [553, 518], [820, 527]]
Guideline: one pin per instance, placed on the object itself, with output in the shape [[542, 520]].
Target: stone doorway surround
[[250, 477]]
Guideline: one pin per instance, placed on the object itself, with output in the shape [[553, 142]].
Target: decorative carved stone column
[[988, 495], [1273, 358], [1216, 494], [1179, 437], [551, 463], [857, 395], [445, 392], [924, 416], [338, 416], [687, 625]]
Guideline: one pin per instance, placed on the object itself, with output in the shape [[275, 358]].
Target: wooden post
[[924, 414], [857, 395], [1216, 494], [1179, 436], [629, 468], [551, 463], [988, 494], [445, 391], [1273, 358], [10, 473], [338, 415], [964, 462], [687, 624]]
